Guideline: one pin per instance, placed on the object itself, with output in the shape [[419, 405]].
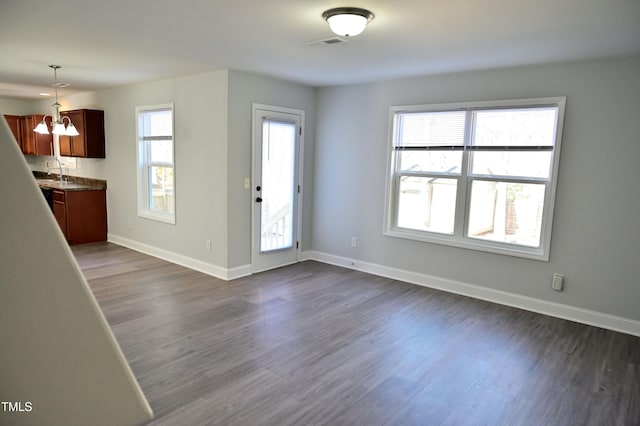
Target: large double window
[[156, 181], [479, 175]]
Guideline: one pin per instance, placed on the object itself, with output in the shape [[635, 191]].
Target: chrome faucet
[[59, 167]]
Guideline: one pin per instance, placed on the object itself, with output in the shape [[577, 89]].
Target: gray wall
[[200, 164], [595, 231], [244, 89], [16, 107]]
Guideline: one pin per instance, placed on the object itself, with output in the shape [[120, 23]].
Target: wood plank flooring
[[313, 344]]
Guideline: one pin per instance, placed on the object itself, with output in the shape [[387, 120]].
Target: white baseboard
[[188, 262], [585, 316], [239, 272]]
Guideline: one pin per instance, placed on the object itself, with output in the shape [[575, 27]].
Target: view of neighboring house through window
[[156, 182], [478, 175]]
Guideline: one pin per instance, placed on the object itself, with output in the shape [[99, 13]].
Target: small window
[[156, 179], [480, 175]]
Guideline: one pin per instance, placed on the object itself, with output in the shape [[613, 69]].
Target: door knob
[[258, 200]]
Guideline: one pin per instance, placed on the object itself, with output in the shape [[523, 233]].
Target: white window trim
[[142, 171], [458, 239]]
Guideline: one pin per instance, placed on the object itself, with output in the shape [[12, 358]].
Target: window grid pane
[[515, 127], [506, 212], [427, 204], [445, 128], [430, 161], [161, 189], [161, 151], [157, 123], [526, 164]]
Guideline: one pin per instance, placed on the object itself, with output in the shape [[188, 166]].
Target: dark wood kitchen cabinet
[[28, 135], [39, 144], [35, 143], [60, 211], [30, 142], [82, 215], [16, 128], [90, 141]]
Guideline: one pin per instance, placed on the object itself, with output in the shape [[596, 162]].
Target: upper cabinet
[[88, 144], [30, 142], [43, 143], [28, 138], [14, 124], [90, 141]]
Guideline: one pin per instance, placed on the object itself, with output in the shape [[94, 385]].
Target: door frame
[[255, 107]]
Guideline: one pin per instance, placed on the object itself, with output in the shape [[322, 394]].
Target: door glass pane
[[506, 212], [278, 153], [161, 189], [427, 204]]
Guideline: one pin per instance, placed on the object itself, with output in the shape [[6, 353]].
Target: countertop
[[66, 186], [69, 183]]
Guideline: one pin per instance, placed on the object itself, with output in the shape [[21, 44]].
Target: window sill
[[534, 253], [158, 217]]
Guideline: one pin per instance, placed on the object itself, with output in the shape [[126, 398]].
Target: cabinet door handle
[[258, 200]]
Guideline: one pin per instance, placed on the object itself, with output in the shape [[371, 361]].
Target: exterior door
[[276, 186]]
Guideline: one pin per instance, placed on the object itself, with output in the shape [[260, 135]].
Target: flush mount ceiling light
[[347, 21], [58, 122]]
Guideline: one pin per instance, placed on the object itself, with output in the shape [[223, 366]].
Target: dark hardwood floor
[[321, 345]]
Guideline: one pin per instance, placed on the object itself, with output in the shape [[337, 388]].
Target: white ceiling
[[114, 42]]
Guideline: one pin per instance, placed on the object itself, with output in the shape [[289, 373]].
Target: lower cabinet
[[82, 215]]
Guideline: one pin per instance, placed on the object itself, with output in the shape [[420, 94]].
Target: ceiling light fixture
[[347, 21], [58, 122]]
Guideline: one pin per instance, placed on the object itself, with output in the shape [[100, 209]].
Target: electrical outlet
[[354, 242], [558, 282], [208, 244], [247, 183]]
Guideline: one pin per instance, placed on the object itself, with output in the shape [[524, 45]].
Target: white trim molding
[[226, 274], [572, 313]]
